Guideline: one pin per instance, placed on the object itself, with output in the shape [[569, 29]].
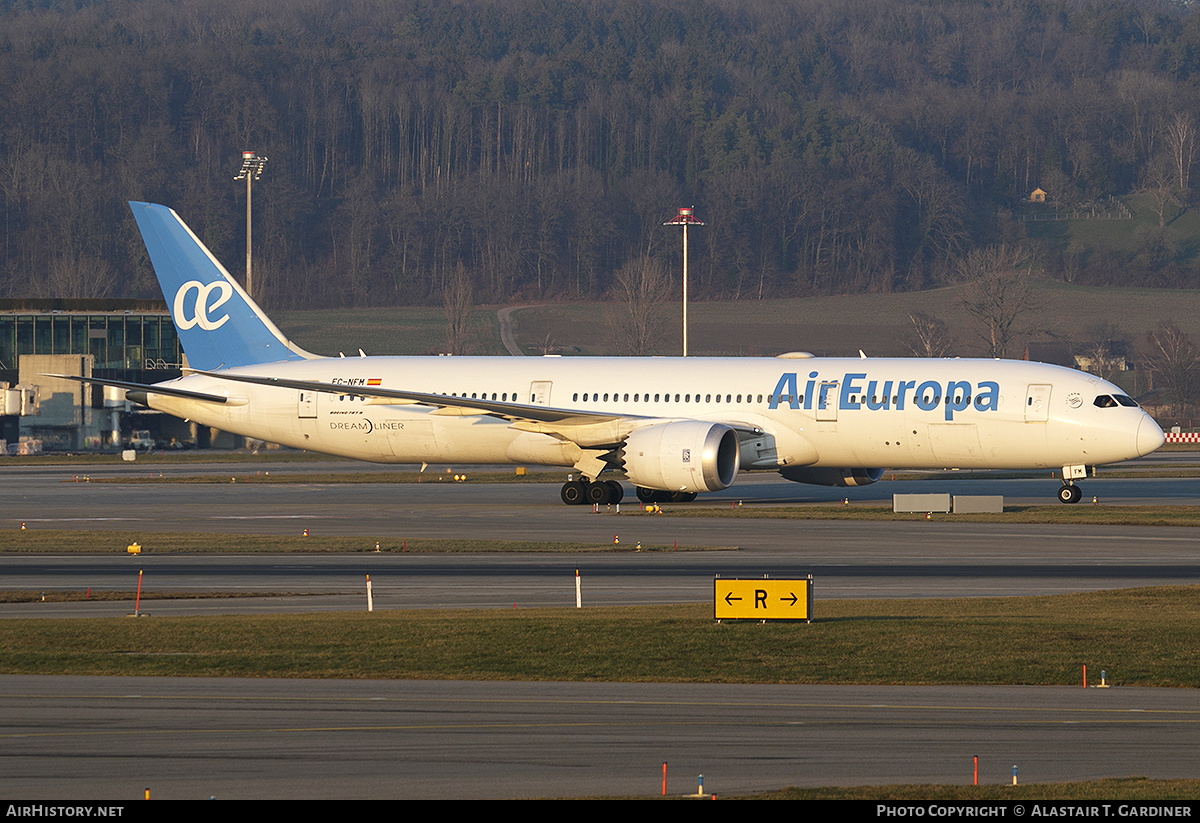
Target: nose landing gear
[[1069, 493]]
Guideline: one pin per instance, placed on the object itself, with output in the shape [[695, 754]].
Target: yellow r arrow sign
[[762, 599]]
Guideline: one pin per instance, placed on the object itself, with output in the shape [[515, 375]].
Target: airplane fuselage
[[873, 412], [674, 427]]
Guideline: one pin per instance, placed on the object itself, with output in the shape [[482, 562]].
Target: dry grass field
[[878, 324]]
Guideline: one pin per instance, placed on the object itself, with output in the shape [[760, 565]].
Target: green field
[[1141, 637], [1098, 237], [54, 541]]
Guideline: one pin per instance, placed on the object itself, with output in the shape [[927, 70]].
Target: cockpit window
[[1126, 401], [1104, 401]]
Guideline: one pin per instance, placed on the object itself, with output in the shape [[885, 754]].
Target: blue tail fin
[[219, 325]]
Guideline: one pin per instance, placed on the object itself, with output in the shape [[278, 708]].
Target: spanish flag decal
[[374, 381]]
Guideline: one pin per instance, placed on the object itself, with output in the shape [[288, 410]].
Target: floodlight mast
[[252, 169], [684, 218]]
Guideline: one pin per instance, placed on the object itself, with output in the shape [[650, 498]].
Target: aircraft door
[[307, 404], [1037, 403], [826, 401], [539, 392]]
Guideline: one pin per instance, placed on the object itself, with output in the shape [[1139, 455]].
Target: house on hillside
[[1104, 357]]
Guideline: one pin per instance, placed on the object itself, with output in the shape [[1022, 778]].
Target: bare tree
[[640, 289], [929, 336], [1072, 261], [1159, 182], [459, 299], [996, 287], [1104, 351], [1175, 363], [1181, 142], [74, 276]]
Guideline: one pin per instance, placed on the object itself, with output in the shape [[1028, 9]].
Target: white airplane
[[674, 427]]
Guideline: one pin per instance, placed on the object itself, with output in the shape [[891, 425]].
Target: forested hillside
[[530, 148]]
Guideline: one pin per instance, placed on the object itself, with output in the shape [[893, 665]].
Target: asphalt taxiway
[[109, 738], [194, 738], [937, 558]]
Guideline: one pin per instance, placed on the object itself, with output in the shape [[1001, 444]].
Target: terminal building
[[132, 340]]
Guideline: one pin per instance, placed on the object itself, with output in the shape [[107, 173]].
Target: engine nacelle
[[689, 456], [831, 477]]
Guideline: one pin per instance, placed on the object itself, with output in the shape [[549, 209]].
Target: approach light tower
[[252, 169], [685, 218]]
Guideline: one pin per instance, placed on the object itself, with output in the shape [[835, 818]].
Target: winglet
[[219, 325]]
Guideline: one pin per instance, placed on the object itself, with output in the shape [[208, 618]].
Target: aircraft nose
[[1149, 435]]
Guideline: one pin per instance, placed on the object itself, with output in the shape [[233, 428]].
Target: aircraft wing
[[599, 434]]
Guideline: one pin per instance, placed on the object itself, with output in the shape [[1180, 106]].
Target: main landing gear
[[601, 492], [1069, 493]]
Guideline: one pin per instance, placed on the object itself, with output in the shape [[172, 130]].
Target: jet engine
[[832, 476], [688, 456]]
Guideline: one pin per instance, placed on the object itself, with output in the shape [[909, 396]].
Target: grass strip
[[61, 541], [1143, 637], [1111, 789], [172, 458], [333, 478], [1082, 514], [111, 596]]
